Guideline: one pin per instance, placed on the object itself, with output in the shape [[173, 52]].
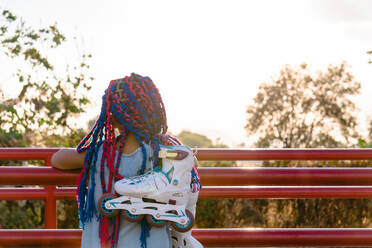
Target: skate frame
[[160, 211]]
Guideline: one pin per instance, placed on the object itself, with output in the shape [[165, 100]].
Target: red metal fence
[[218, 183]]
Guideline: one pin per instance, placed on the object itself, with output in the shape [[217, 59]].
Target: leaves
[[302, 110], [40, 115], [201, 141], [47, 100], [9, 16], [364, 144], [18, 39]]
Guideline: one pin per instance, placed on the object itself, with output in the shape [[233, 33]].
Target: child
[[133, 107]]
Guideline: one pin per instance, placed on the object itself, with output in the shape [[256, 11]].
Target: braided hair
[[135, 104]]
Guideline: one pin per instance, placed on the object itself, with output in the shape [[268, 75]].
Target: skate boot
[[184, 239], [160, 194]]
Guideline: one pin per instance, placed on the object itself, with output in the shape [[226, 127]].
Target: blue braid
[[155, 145], [92, 206], [145, 233], [87, 207], [152, 92], [127, 125], [157, 123], [138, 105], [144, 154]]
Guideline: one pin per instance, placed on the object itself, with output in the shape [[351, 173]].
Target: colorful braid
[[139, 110]]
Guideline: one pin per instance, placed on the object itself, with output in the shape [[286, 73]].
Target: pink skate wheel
[[101, 205], [187, 226], [132, 217], [154, 222]]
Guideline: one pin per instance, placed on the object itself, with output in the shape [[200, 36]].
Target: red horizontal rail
[[285, 176], [238, 176], [220, 154], [269, 237], [36, 193], [286, 192], [27, 153], [284, 154], [256, 192], [23, 194], [40, 237], [244, 237], [36, 175]]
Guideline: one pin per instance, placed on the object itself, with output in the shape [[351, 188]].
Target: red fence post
[[50, 209], [50, 212]]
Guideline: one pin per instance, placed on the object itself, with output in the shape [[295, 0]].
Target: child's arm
[[68, 159]]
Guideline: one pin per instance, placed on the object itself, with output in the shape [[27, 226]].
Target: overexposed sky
[[208, 57]]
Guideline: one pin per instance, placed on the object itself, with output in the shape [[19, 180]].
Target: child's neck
[[131, 144]]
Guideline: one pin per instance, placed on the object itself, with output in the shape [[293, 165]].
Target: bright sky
[[208, 57]]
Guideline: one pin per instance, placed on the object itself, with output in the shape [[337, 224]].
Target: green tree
[[196, 140], [302, 110], [47, 102], [364, 144], [43, 111]]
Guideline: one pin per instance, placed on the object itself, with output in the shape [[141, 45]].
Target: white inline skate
[[160, 194]]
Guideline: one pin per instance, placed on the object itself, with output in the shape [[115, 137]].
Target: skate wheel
[[154, 222], [132, 217], [101, 205], [187, 226]]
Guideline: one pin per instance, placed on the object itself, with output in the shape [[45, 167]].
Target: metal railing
[[237, 182]]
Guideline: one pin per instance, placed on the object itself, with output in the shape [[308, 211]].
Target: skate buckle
[[158, 215], [173, 154], [162, 153], [133, 210]]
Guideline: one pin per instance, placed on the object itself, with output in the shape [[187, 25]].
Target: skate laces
[[141, 178], [149, 179]]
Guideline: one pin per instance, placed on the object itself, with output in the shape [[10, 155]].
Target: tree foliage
[[194, 139], [43, 111], [364, 144], [47, 100], [301, 110], [197, 140]]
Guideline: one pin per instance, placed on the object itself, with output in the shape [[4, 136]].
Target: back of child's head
[[136, 104]]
